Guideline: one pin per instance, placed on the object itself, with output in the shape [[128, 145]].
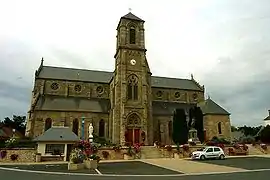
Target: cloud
[[224, 43]]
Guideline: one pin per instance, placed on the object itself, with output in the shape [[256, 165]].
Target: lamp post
[[13, 131], [82, 131]]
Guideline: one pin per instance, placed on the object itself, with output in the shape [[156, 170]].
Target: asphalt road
[[257, 167], [250, 163], [11, 175]]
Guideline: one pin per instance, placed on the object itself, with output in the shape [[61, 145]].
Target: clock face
[[133, 62]]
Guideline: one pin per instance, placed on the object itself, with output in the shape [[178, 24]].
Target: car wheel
[[222, 157], [202, 157]]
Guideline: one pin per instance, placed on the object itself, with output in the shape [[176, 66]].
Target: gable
[[210, 107], [60, 73]]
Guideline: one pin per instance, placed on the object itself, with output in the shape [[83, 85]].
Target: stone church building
[[126, 105]]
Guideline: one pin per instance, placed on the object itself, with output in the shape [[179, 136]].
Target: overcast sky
[[224, 43]]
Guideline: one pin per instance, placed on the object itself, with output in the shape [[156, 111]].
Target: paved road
[[11, 175], [249, 163]]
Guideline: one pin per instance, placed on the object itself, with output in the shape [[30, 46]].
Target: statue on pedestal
[[90, 132]]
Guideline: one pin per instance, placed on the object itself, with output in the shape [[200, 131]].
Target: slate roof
[[58, 134], [132, 17], [210, 107], [60, 73], [72, 104]]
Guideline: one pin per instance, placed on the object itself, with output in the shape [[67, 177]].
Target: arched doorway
[[133, 130]]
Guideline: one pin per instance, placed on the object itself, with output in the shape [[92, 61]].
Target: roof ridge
[[172, 78], [81, 69]]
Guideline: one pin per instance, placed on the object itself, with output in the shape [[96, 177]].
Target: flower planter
[[90, 164], [72, 166], [127, 157]]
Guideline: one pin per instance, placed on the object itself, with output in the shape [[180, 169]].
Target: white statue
[[90, 130]]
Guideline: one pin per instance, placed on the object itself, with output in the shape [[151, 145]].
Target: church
[[128, 105]]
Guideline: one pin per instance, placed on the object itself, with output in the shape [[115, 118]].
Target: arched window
[[132, 35], [101, 131], [48, 124], [219, 128], [170, 129], [75, 126], [132, 88]]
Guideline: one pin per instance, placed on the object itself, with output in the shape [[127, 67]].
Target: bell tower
[[132, 106]]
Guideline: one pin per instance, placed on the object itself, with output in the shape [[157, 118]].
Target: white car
[[208, 153]]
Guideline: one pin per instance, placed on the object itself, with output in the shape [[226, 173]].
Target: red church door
[[130, 136], [133, 136], [136, 136]]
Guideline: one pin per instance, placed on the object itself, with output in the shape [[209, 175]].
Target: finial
[[129, 9], [208, 96], [42, 60], [192, 76]]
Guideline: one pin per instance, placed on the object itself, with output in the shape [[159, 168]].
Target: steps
[[150, 152]]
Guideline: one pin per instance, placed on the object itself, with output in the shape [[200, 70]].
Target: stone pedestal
[[91, 164], [193, 136]]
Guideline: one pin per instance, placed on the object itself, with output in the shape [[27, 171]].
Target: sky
[[223, 43]]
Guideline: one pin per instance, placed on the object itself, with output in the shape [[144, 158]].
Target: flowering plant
[[105, 154], [82, 144], [14, 157], [3, 154], [185, 147], [236, 146], [77, 156], [137, 148], [94, 157], [222, 146], [245, 147], [168, 148], [10, 142], [263, 146], [117, 148]]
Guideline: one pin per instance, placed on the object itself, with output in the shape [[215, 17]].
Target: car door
[[216, 152], [209, 153]]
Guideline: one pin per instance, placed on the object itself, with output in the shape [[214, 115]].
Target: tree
[[17, 122], [233, 128], [198, 115], [249, 131], [180, 129], [265, 134]]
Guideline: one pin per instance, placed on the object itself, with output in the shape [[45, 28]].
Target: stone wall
[[211, 126], [24, 155], [113, 155]]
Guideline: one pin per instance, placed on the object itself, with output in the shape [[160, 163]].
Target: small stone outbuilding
[[56, 142]]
